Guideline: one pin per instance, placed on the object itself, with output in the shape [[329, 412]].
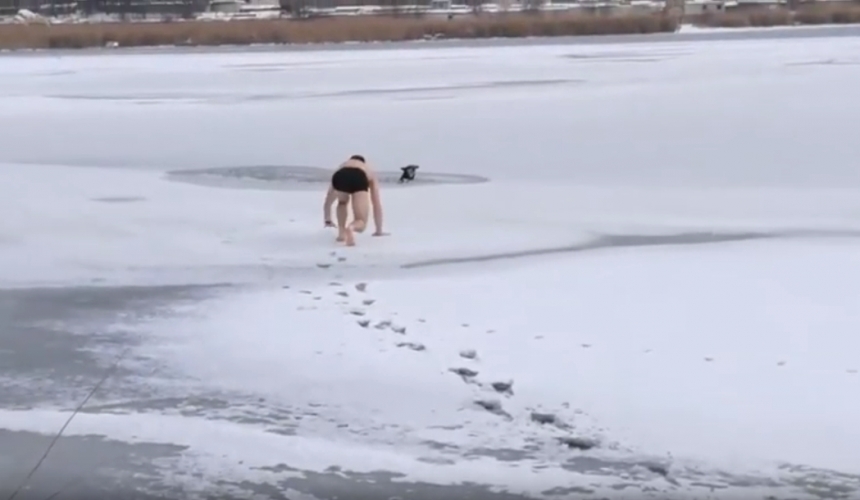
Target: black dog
[[408, 173]]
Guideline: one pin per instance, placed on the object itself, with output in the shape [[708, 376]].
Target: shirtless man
[[354, 180]]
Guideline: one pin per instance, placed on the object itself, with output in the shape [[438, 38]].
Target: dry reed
[[321, 30]]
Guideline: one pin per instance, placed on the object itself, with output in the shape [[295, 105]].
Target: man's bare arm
[[329, 201], [376, 201]]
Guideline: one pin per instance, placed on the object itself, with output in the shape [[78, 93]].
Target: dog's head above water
[[408, 174]]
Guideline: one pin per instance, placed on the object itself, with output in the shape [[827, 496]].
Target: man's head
[[358, 158]]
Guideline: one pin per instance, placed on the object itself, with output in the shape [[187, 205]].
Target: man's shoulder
[[371, 172]]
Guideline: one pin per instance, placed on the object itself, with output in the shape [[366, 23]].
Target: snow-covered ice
[[656, 290]]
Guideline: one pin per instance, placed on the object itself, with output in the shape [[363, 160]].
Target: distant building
[[120, 8], [694, 7], [225, 6], [756, 4], [46, 7]]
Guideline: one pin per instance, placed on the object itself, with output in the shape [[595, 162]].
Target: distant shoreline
[[373, 32]]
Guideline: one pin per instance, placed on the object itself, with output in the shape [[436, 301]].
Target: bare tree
[[532, 5], [396, 7], [187, 9], [295, 8], [475, 5], [675, 8]]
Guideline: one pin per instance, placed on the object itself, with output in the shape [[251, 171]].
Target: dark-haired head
[[358, 157]]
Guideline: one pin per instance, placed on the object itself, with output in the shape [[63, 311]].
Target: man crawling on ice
[[354, 180]]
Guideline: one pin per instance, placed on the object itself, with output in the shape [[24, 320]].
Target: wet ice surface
[[614, 274]]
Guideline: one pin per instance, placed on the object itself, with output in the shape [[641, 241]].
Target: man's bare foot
[[340, 237], [350, 238]]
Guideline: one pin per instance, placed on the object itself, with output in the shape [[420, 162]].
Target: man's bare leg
[[342, 207], [360, 211]]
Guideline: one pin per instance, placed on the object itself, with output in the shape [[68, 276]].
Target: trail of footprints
[[356, 303], [468, 375]]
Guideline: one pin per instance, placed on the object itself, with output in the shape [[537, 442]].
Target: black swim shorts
[[350, 180]]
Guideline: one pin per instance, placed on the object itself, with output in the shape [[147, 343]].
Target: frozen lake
[[624, 269]]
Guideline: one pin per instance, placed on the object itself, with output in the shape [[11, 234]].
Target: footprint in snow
[[342, 294], [506, 388], [368, 302], [469, 354], [382, 325], [364, 323], [323, 266], [415, 346], [398, 329], [548, 419], [576, 443], [467, 374], [357, 312], [493, 406], [361, 287], [543, 418], [657, 469]]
